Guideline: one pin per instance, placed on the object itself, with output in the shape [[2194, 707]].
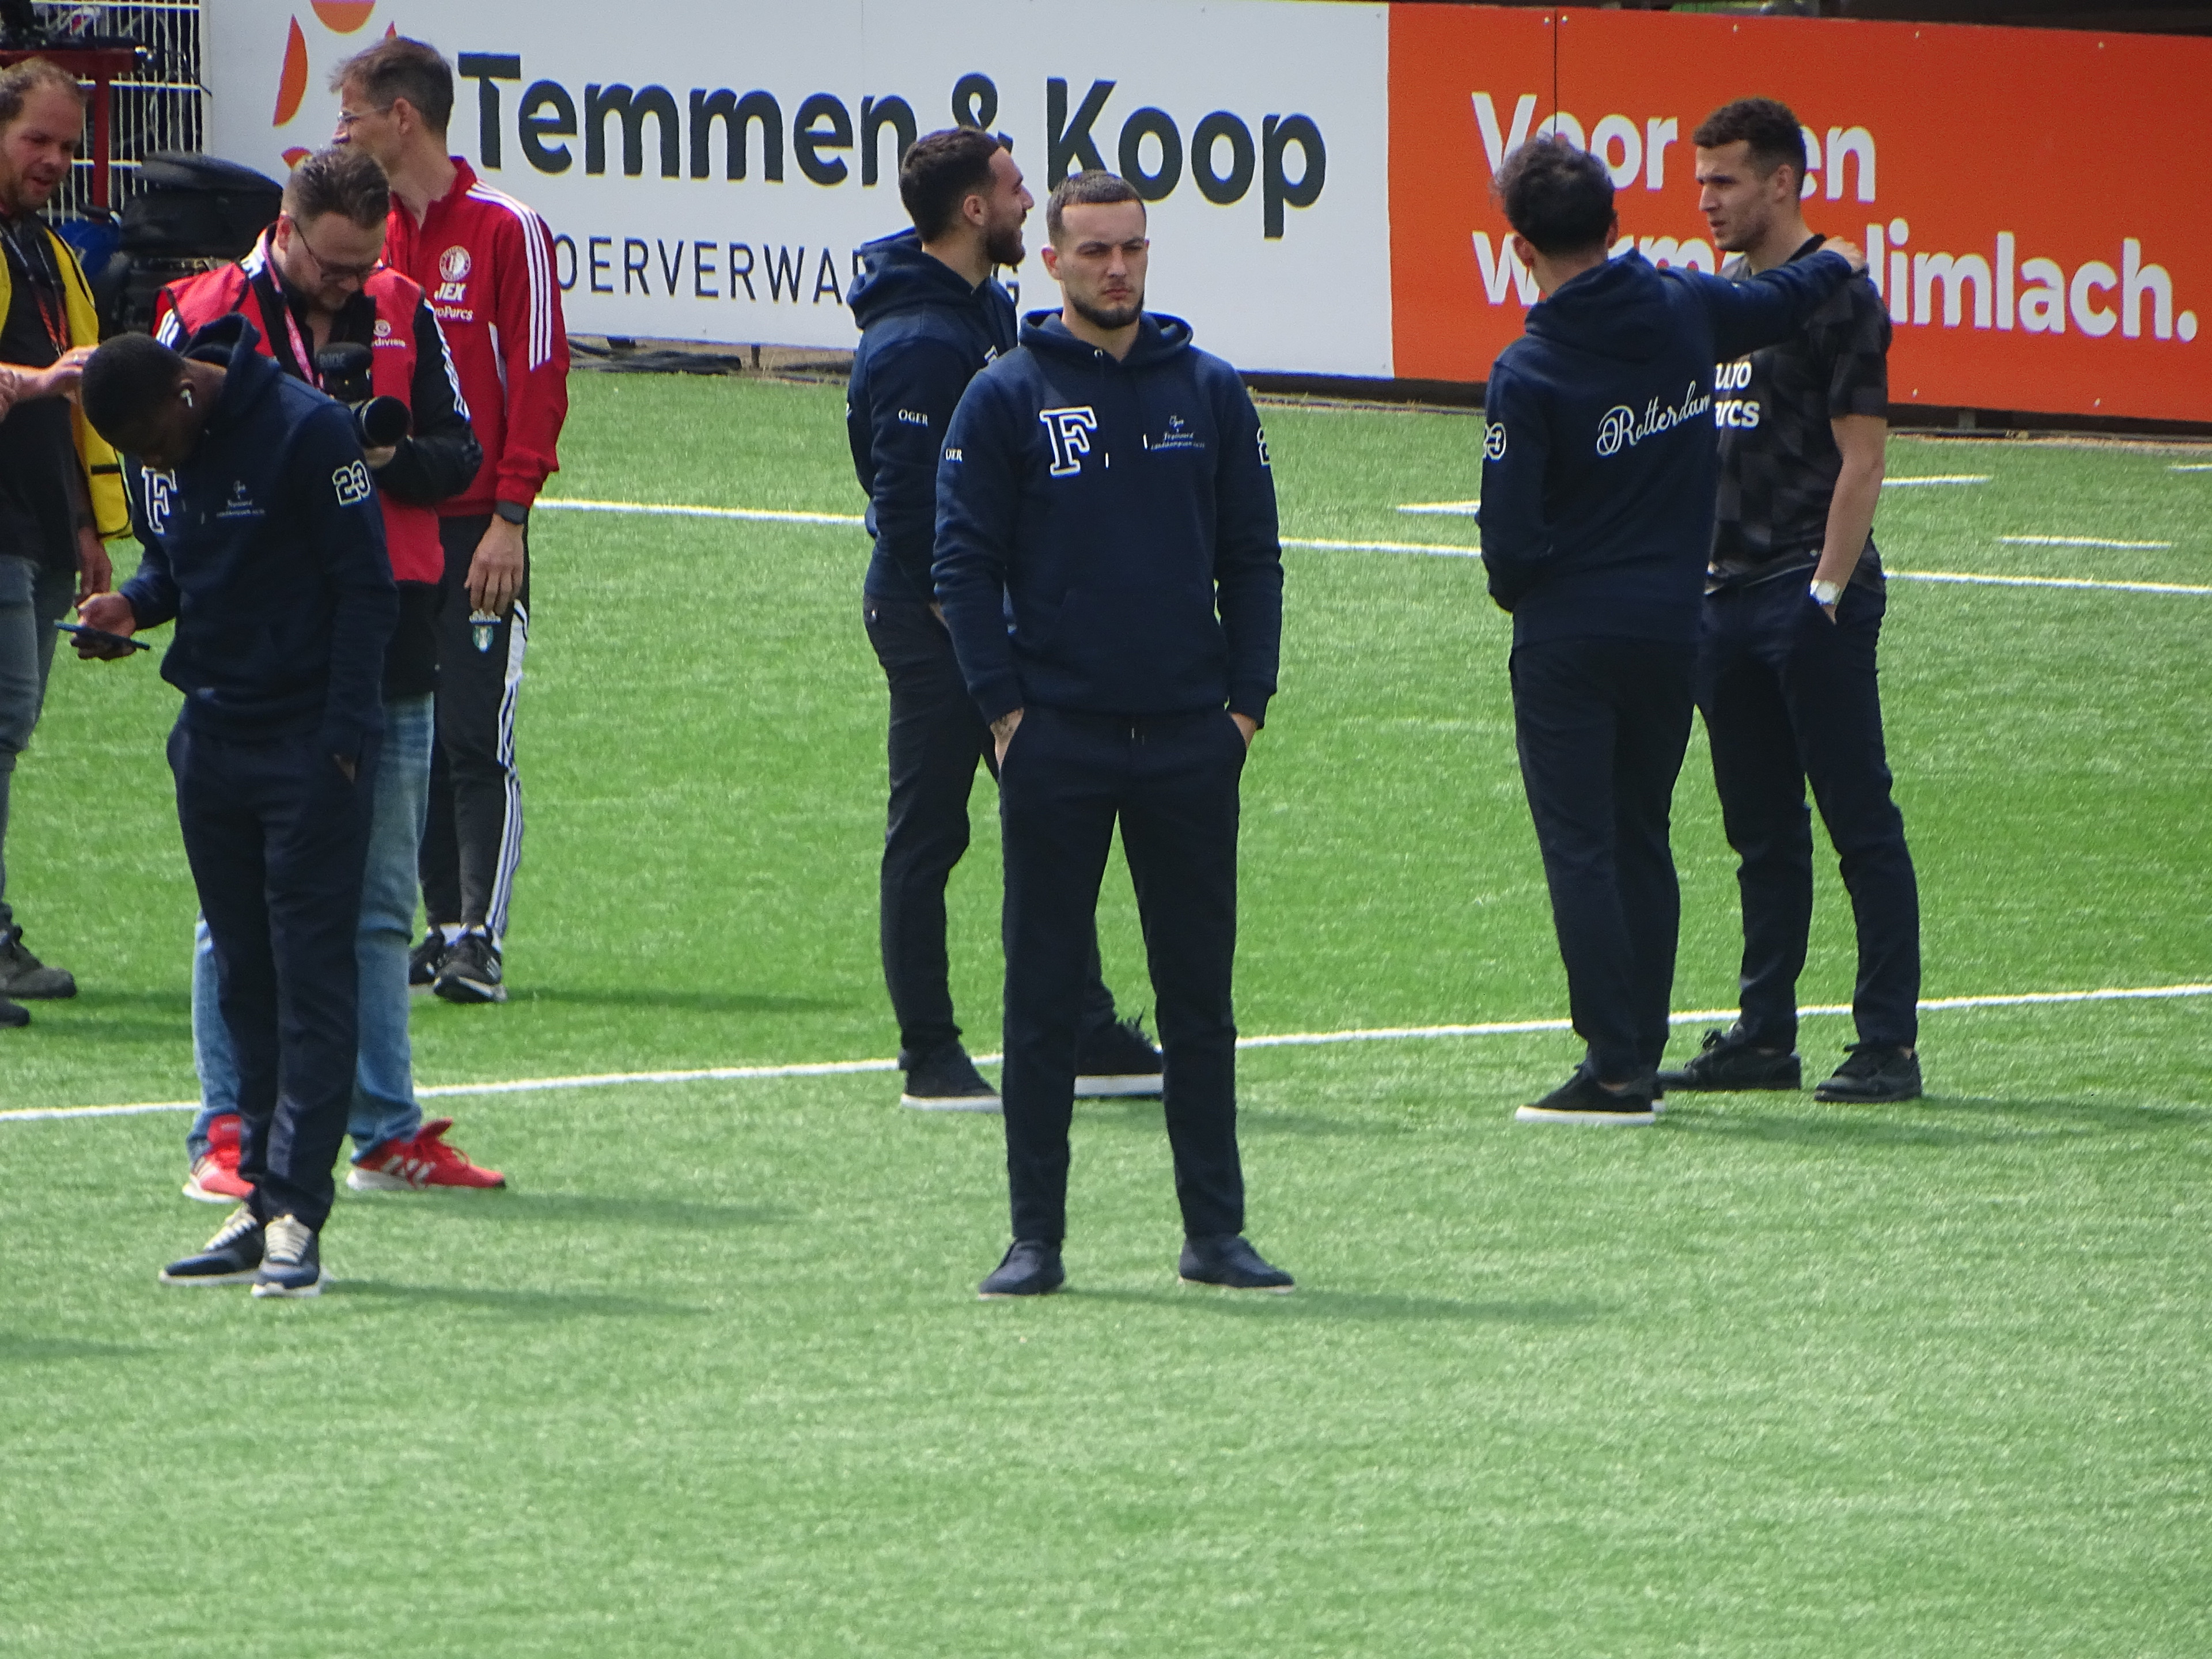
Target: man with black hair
[[487, 262], [264, 544], [1793, 612], [315, 280], [1597, 512], [60, 491], [1119, 626], [930, 316]]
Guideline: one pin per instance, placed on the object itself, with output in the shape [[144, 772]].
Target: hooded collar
[[1159, 338], [1616, 309], [897, 274]]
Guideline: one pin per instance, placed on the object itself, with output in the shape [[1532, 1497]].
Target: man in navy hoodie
[[1107, 562], [930, 316], [1597, 517], [264, 543]]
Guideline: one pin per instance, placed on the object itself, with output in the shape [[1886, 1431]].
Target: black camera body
[[348, 373]]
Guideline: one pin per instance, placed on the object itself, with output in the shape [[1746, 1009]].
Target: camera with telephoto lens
[[347, 372]]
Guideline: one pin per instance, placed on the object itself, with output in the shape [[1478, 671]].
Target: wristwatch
[[513, 512], [1827, 592]]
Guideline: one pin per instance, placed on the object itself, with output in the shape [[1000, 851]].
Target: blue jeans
[[384, 1107]]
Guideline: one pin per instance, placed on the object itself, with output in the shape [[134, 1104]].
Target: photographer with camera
[[329, 312]]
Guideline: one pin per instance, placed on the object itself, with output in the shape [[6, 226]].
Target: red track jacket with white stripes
[[486, 263]]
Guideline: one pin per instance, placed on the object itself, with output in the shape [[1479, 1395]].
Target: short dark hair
[[344, 179], [401, 68], [125, 379], [940, 171], [1556, 196], [33, 75], [1091, 189], [1773, 133]]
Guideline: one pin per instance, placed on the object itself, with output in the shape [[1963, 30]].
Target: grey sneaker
[[1729, 1061], [233, 1256], [471, 971], [24, 978], [291, 1262]]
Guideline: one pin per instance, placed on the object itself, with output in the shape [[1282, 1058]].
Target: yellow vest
[[103, 473]]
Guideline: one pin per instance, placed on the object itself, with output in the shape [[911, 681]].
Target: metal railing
[[157, 108]]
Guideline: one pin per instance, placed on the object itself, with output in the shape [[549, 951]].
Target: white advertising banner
[[708, 169]]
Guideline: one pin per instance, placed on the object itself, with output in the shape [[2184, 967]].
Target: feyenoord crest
[[454, 264]]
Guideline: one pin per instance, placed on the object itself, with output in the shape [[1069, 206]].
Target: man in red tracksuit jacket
[[486, 262]]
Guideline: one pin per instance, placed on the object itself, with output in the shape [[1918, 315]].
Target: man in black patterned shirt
[[1794, 604]]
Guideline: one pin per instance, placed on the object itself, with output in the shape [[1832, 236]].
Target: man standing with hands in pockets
[[1107, 488]]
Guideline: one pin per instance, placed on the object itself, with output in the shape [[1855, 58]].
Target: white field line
[[1472, 509], [1282, 1040], [1935, 478], [1432, 549], [2081, 541], [1446, 509], [2190, 466]]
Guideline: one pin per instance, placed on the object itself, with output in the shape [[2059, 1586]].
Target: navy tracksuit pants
[[1601, 725], [936, 738], [1790, 698], [277, 839], [1172, 782]]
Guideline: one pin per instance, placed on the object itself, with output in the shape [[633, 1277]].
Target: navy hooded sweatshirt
[[1600, 457], [266, 546], [925, 332], [1106, 534]]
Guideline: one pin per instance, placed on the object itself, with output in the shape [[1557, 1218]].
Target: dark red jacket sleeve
[[533, 349]]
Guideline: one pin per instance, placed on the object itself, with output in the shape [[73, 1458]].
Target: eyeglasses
[[331, 273], [350, 118]]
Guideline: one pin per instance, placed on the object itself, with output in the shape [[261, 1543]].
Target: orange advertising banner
[[2036, 203]]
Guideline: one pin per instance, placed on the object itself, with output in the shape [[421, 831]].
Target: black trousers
[[278, 837], [1171, 781], [936, 738], [472, 840], [1790, 697], [1601, 725]]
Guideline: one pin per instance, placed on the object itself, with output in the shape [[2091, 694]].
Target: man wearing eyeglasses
[[316, 280]]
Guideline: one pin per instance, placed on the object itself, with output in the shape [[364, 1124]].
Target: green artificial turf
[[1771, 1378]]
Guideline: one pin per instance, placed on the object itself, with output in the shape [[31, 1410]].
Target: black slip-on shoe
[[471, 971], [1729, 1061], [291, 1262], [24, 978], [1582, 1099], [1873, 1075], [1030, 1267], [233, 1256], [1228, 1261], [1117, 1060], [947, 1080]]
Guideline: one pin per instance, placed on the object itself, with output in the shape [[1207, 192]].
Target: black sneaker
[[1229, 1261], [233, 1256], [1030, 1267], [470, 970], [23, 977], [292, 1262], [1873, 1075], [947, 1080], [1582, 1099], [1117, 1060], [13, 1014], [1729, 1061], [425, 959]]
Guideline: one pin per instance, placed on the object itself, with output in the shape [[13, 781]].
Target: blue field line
[[1282, 1040], [1432, 550]]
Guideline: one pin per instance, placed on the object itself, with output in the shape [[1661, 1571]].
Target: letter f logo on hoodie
[[1070, 430]]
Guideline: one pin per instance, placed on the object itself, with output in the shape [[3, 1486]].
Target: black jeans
[[1171, 781], [1601, 725], [1790, 697], [472, 841], [936, 738], [277, 839]]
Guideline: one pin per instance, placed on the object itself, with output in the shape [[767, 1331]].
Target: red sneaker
[[213, 1179], [426, 1159]]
